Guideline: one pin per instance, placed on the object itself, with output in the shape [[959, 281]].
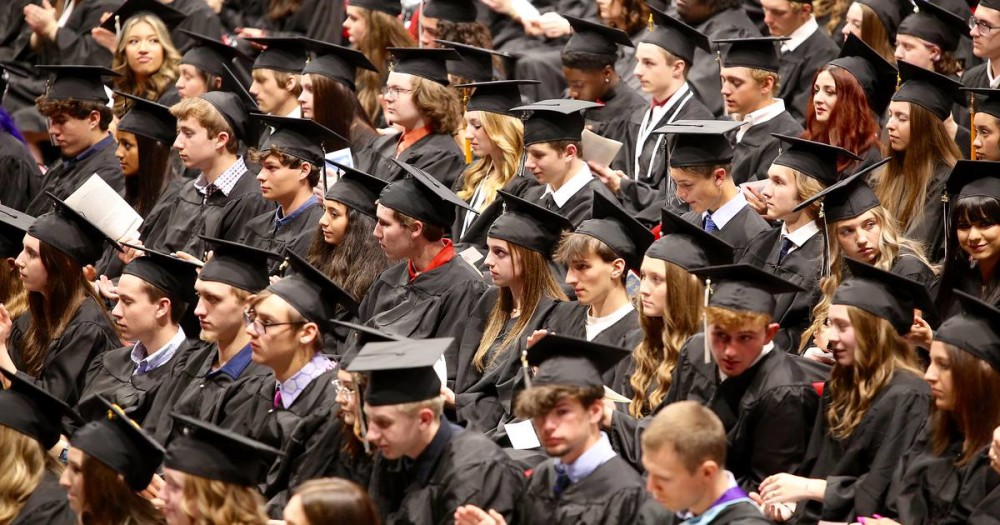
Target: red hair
[[852, 124]]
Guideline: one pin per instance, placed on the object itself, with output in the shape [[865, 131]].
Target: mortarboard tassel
[[827, 257], [360, 414], [946, 222], [650, 21], [527, 369], [326, 186], [704, 322], [972, 125]]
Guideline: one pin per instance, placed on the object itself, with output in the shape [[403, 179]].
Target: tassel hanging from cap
[[824, 231], [946, 222], [649, 21], [704, 322], [972, 125], [526, 368]]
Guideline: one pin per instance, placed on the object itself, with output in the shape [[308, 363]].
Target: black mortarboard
[[391, 7], [498, 96], [171, 17], [813, 159], [336, 62], [357, 190], [71, 233], [149, 119], [304, 139], [458, 11], [238, 265], [170, 274], [876, 75], [209, 54], [121, 445], [281, 53], [13, 226], [688, 246], [570, 361], [987, 100], [360, 336], [700, 142], [890, 13], [884, 294], [974, 178], [676, 37], [992, 4], [311, 292], [529, 225], [936, 25], [744, 288], [427, 63], [976, 330], [474, 64], [595, 38], [77, 82], [422, 197], [401, 371], [207, 451], [554, 120], [848, 198], [30, 410], [615, 227], [923, 87], [233, 109], [754, 53]]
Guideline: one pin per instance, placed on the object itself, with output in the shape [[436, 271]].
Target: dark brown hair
[[78, 109], [340, 263], [107, 500], [286, 160], [143, 189], [977, 406], [338, 108], [540, 400], [333, 501]]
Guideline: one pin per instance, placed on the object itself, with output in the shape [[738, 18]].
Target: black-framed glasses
[[250, 318], [983, 26]]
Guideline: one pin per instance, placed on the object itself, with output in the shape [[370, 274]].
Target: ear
[[221, 140], [768, 85], [570, 151], [291, 83], [596, 411], [719, 176], [418, 230], [163, 308], [618, 268], [607, 72], [426, 416], [94, 119], [708, 469], [308, 333], [304, 169], [678, 69], [772, 330]]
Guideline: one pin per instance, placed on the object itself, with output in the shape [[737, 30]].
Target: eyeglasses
[[250, 318], [984, 27], [395, 91], [343, 390]]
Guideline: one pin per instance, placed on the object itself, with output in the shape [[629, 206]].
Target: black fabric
[[436, 153], [13, 226], [46, 504], [474, 64], [209, 53], [210, 452], [739, 231], [876, 75], [930, 229], [281, 53], [30, 410], [687, 245], [554, 120], [612, 494], [975, 330], [336, 62], [935, 24], [676, 37], [167, 14], [120, 444], [703, 75], [529, 225], [170, 274], [427, 63], [475, 234], [66, 175], [390, 7], [753, 53], [304, 139], [498, 96], [421, 196], [149, 119], [77, 82], [613, 119], [613, 226], [357, 190], [746, 288], [571, 361], [239, 265], [71, 233], [974, 179], [885, 295], [578, 208], [22, 178], [934, 92], [296, 236], [401, 371], [458, 11], [742, 513], [700, 142], [310, 292], [756, 151], [816, 160], [594, 38], [848, 198]]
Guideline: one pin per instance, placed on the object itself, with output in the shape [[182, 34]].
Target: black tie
[[549, 202], [786, 246], [562, 481]]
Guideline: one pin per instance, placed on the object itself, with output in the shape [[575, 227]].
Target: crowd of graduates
[[485, 262]]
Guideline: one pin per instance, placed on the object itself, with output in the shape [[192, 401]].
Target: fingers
[[497, 518]]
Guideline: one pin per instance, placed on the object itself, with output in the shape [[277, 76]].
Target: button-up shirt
[[226, 181], [146, 361], [292, 387], [572, 186], [589, 461]]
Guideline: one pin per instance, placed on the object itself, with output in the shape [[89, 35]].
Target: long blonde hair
[[24, 465], [657, 353], [160, 81], [383, 30], [875, 34], [211, 502], [507, 135], [12, 293]]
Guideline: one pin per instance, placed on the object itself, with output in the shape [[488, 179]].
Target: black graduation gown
[[793, 311], [73, 44], [66, 176], [48, 504], [175, 226], [475, 235], [986, 512], [625, 369], [200, 19], [21, 179], [909, 266], [930, 228], [753, 155], [459, 467], [611, 494], [742, 513], [87, 335], [704, 74], [437, 303], [262, 232], [578, 207], [325, 457], [436, 153], [858, 469], [797, 69], [612, 120], [739, 231], [570, 319]]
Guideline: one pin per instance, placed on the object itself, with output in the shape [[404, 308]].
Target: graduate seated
[[330, 501], [276, 86], [584, 481], [986, 123], [13, 226], [684, 455], [426, 467], [453, 20]]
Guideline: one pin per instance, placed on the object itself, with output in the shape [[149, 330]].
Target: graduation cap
[[498, 96], [336, 62], [170, 274], [149, 119], [171, 17], [595, 38], [615, 227], [238, 265], [992, 4], [678, 38], [816, 160], [976, 330], [473, 63], [304, 139], [570, 361], [923, 87], [390, 7], [974, 178], [209, 54], [422, 197], [744, 287], [848, 198], [357, 190], [401, 371], [120, 444], [700, 142], [13, 226], [886, 295], [554, 120], [936, 25], [71, 233], [30, 410], [207, 451], [876, 75], [360, 336], [77, 82], [311, 292], [281, 53], [688, 246], [754, 53], [529, 225], [427, 63], [890, 13], [233, 109], [987, 101], [458, 11]]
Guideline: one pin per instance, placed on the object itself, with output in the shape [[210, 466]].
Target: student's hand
[[129, 254], [995, 451], [877, 520], [755, 199], [536, 336], [251, 32], [815, 354], [6, 324], [273, 278], [499, 6], [449, 396], [152, 492], [90, 273], [106, 288], [784, 488], [216, 7], [779, 513], [187, 257], [920, 334], [42, 19], [609, 177], [473, 515], [609, 412], [553, 25]]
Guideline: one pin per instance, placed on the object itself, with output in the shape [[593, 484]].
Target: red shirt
[[411, 137], [446, 254]]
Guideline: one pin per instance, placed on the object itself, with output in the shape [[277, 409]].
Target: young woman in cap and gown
[[13, 226], [146, 60], [875, 23]]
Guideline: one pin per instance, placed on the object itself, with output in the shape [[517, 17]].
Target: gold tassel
[[704, 322], [650, 21], [899, 81]]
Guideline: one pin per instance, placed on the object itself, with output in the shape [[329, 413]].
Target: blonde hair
[[159, 82], [760, 75], [875, 34], [806, 187], [507, 135], [207, 117], [732, 320], [833, 9], [435, 405], [282, 78], [24, 464], [214, 502], [694, 432], [12, 293]]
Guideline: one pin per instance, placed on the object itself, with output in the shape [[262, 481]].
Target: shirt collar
[[572, 186], [423, 465], [760, 116], [296, 113], [801, 235], [226, 181], [292, 387], [767, 350], [595, 456], [91, 151], [800, 35], [672, 100], [281, 221], [994, 82], [236, 365], [442, 258], [411, 137], [727, 211], [146, 361]]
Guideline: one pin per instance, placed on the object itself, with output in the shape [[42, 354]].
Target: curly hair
[[210, 502], [12, 293], [78, 109], [439, 105], [340, 263], [635, 14], [159, 82], [473, 34]]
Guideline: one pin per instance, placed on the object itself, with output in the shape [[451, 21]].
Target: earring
[[607, 80]]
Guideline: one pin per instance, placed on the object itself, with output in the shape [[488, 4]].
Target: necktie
[[277, 398], [710, 224], [209, 190], [549, 202], [562, 481], [786, 246]]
